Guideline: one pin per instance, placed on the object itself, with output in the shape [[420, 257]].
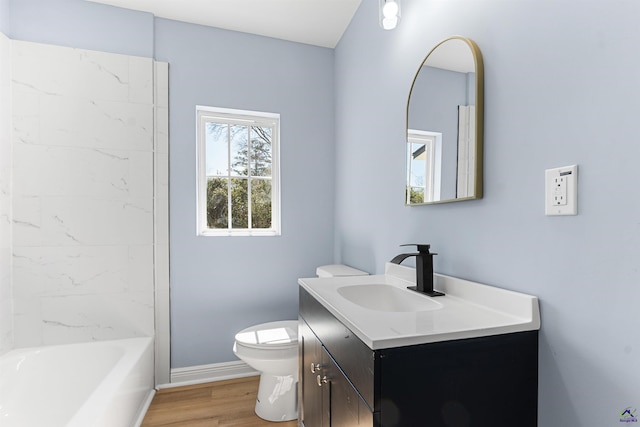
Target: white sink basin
[[388, 298]]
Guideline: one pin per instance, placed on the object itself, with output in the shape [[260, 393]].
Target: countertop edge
[[529, 322]]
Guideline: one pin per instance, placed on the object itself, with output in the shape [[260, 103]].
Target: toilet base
[[277, 398]]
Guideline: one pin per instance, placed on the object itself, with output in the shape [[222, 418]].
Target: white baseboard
[[208, 373]]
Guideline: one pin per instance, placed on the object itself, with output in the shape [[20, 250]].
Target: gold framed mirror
[[445, 113]]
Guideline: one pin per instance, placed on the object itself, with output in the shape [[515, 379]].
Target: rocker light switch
[[561, 191]]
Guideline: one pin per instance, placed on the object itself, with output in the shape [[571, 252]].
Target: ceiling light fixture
[[389, 13]]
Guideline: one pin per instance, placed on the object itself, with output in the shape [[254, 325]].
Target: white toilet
[[272, 349]]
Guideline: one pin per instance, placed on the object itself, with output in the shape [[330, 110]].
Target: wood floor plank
[[209, 422], [217, 404]]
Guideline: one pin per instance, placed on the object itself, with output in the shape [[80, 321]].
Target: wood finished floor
[[215, 404]]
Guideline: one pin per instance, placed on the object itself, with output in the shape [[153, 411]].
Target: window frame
[[433, 167], [205, 114]]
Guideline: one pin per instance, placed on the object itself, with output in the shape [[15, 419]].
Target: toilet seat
[[273, 335]]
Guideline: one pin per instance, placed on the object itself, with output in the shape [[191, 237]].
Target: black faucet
[[424, 269]]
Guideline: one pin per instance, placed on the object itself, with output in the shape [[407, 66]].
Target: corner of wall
[[6, 293]]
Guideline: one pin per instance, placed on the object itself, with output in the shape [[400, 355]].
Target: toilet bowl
[[272, 349]]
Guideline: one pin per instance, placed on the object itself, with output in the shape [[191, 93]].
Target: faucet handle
[[422, 247]]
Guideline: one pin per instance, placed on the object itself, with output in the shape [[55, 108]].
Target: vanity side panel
[[352, 355], [489, 381]]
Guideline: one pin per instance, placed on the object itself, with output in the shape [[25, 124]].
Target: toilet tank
[[338, 270]]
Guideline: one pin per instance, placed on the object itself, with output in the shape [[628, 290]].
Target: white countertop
[[468, 310]]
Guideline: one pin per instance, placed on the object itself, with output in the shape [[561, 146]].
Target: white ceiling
[[316, 22]]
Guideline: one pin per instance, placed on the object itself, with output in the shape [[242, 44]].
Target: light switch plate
[[561, 191]]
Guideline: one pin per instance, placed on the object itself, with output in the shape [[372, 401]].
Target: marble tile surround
[[6, 308], [89, 180]]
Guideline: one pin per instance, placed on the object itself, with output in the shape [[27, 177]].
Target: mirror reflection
[[444, 125]]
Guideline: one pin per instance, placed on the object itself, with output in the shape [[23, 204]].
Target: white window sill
[[238, 233]]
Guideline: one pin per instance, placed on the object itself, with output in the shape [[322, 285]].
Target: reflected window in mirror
[[424, 164]]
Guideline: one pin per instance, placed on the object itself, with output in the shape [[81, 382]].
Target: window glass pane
[[260, 203], [418, 165], [239, 203], [240, 150], [217, 203], [416, 194], [261, 151], [237, 166], [217, 149]]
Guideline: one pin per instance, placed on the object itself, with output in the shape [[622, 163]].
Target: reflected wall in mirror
[[445, 125]]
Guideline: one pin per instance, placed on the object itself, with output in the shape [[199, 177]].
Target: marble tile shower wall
[[83, 195], [6, 310]]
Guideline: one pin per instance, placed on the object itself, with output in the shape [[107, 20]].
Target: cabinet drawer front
[[352, 355]]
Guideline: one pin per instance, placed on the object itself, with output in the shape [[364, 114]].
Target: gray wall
[[220, 285], [4, 17], [82, 24], [561, 88]]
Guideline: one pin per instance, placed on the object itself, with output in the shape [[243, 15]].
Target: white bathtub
[[104, 383]]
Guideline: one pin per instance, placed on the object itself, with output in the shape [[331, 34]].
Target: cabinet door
[[346, 408], [310, 393]]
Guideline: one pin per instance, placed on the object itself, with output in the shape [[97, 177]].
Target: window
[[424, 164], [238, 172]]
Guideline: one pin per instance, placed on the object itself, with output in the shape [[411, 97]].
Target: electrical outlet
[[561, 191]]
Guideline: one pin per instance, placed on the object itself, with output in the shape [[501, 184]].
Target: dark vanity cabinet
[[481, 382]]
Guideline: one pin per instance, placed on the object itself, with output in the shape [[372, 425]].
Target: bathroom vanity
[[375, 354]]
